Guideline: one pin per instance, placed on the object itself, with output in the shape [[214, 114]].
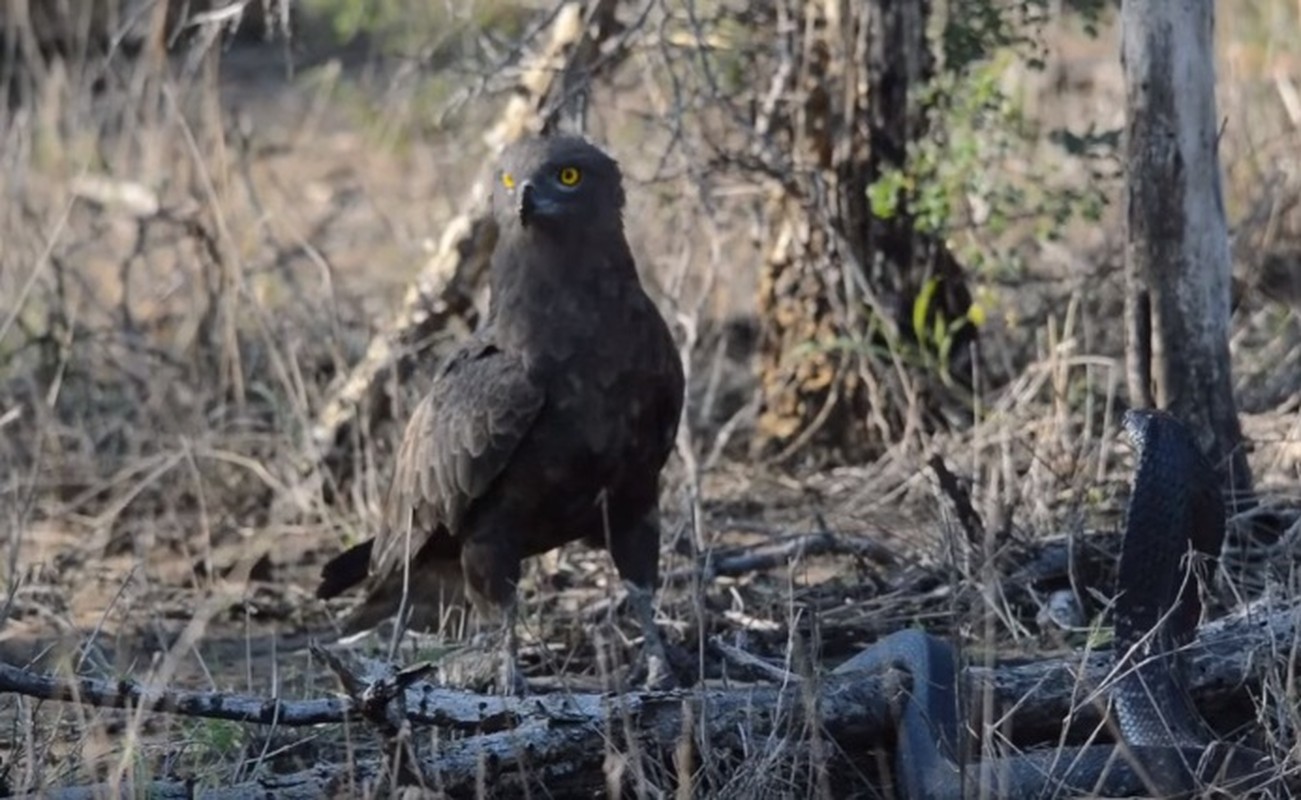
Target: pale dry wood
[[1177, 259]]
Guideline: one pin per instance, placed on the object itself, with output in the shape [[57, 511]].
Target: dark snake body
[[1168, 750]]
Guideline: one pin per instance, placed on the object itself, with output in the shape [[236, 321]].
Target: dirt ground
[[159, 522]]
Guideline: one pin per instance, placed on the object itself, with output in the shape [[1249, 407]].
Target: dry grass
[[191, 251]]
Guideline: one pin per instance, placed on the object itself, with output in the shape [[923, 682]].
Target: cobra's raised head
[[1138, 423], [1146, 427], [557, 182]]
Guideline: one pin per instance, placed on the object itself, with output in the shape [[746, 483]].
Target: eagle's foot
[[659, 669]]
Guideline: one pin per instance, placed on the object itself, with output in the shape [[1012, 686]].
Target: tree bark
[[1177, 262], [839, 283]]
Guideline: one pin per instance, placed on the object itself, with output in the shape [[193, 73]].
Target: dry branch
[[444, 288], [563, 738], [211, 705], [764, 556]]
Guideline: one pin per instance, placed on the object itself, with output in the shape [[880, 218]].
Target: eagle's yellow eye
[[570, 176], [508, 180]]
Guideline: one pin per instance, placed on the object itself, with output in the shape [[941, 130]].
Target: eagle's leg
[[636, 555], [659, 674], [491, 566], [509, 679]]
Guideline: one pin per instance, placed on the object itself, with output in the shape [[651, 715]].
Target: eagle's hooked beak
[[533, 204], [527, 203]]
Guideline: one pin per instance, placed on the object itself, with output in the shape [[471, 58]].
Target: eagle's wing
[[457, 442]]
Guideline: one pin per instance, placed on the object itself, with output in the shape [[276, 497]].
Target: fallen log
[[567, 739], [1230, 658]]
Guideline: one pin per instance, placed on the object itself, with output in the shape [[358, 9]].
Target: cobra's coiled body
[[1173, 534]]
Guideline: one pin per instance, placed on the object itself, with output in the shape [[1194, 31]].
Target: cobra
[[1166, 748]]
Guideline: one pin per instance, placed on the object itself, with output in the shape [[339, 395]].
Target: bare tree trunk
[[1176, 252]]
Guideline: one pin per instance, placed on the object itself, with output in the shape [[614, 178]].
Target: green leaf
[[921, 305]]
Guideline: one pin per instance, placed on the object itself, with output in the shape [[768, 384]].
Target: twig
[[774, 554], [750, 661], [374, 685], [968, 517]]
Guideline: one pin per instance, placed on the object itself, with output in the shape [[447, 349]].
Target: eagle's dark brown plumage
[[550, 424]]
